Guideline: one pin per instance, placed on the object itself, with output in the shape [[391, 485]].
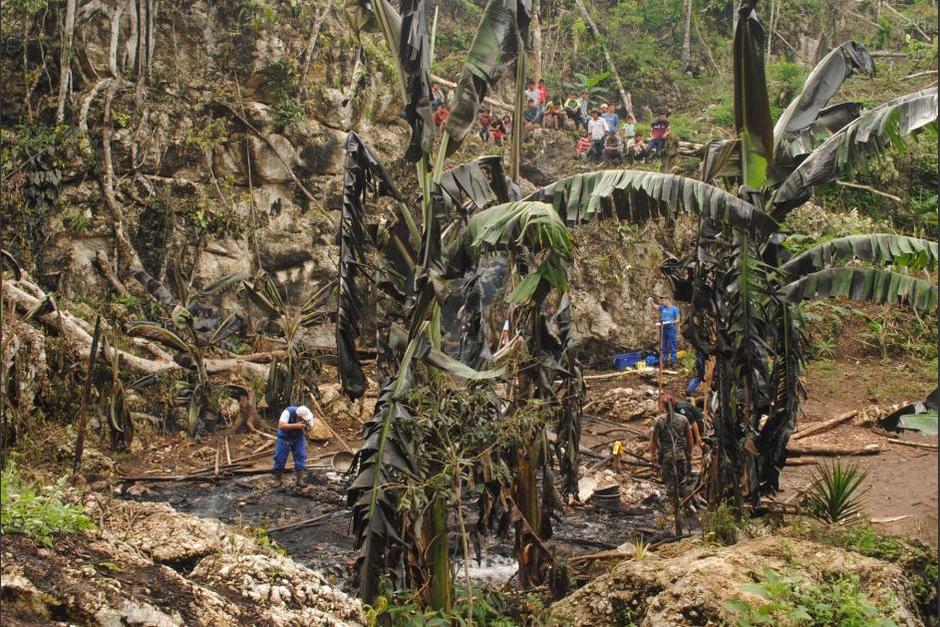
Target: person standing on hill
[[659, 131], [543, 94], [533, 94], [597, 129], [437, 97], [610, 117], [292, 440], [669, 318], [584, 104]]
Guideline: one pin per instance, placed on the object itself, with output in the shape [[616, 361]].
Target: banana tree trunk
[[439, 557], [528, 551]]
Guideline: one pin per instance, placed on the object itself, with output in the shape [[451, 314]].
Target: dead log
[[307, 522], [493, 102], [834, 451], [823, 426]]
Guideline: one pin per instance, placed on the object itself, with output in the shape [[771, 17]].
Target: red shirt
[[659, 128], [440, 116], [542, 93]]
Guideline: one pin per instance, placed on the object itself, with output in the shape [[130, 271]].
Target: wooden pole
[[86, 393]]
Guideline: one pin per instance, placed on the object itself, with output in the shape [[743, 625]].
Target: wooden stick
[[322, 417], [917, 444], [919, 74], [803, 461], [305, 523], [823, 426], [868, 188], [228, 453]]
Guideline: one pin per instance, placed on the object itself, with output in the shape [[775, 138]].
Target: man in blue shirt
[[669, 318], [292, 440]]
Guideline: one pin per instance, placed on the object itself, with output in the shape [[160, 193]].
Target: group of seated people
[[606, 138]]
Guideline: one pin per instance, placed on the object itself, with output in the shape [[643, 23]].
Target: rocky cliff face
[[224, 154]]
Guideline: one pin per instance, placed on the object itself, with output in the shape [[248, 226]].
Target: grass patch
[[38, 512], [720, 526]]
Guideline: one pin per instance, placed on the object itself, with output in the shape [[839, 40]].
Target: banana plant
[[744, 301], [190, 332], [291, 377]]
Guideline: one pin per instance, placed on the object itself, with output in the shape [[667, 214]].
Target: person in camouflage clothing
[[671, 446]]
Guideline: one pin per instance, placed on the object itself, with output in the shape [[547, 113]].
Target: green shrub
[[720, 526], [793, 600], [38, 512]]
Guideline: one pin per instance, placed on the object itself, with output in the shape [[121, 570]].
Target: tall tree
[[624, 94], [687, 36], [536, 27]]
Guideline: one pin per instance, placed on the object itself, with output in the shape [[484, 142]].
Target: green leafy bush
[[38, 512], [720, 526], [793, 600]]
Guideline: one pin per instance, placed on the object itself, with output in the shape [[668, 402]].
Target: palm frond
[[877, 247], [503, 28], [874, 285], [468, 188], [835, 492], [856, 142], [157, 333], [636, 196]]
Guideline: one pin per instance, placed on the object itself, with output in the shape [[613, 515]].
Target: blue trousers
[[290, 444], [670, 344]]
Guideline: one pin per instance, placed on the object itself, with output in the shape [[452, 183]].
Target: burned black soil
[[328, 544]]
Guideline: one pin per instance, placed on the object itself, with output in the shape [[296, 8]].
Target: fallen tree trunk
[[493, 102], [823, 426], [18, 293]]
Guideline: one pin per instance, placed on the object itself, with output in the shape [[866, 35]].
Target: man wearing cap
[[292, 439]]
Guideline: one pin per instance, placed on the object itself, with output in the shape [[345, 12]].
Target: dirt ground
[[902, 480]]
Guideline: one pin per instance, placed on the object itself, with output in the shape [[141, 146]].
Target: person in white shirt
[[597, 129], [291, 439]]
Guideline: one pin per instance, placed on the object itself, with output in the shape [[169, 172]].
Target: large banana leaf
[[415, 60], [751, 105], [532, 225], [636, 196], [722, 158], [820, 86], [383, 461], [876, 247], [468, 188], [363, 174], [503, 27], [864, 284], [868, 135], [522, 223], [803, 142]]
